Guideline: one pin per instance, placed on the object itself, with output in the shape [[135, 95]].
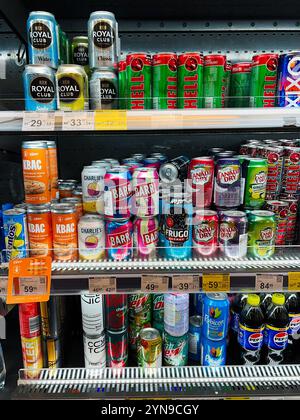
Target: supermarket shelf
[[255, 382]]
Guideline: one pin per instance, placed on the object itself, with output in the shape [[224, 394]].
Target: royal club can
[[15, 233], [205, 233], [190, 80], [32, 356], [201, 179], [152, 162], [164, 84], [158, 304], [139, 81], [293, 202], [30, 320], [145, 188], [117, 348], [116, 312], [104, 90], [64, 227], [281, 210], [233, 234], [176, 314], [215, 316], [149, 348], [42, 39], [80, 52], [92, 314], [103, 39], [227, 193], [122, 76], [119, 239], [92, 178], [261, 233], [213, 353], [72, 88], [145, 237], [240, 85], [175, 350], [94, 351], [91, 238], [52, 353], [288, 80], [117, 193], [51, 319], [39, 88], [196, 303], [291, 172], [274, 156], [175, 169], [254, 182], [195, 338], [263, 80], [214, 81], [226, 82]]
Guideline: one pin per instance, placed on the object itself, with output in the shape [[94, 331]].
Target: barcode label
[[34, 324]]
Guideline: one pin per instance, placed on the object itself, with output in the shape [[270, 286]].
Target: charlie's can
[[119, 241], [92, 178], [233, 234], [227, 192], [80, 52], [175, 350], [72, 84], [117, 193], [201, 179], [149, 348], [288, 80], [263, 80], [205, 233], [116, 312], [281, 210], [195, 338], [261, 233], [91, 238], [39, 88], [176, 314], [240, 85], [145, 237], [254, 180], [39, 224], [215, 316], [213, 353], [92, 314], [145, 186], [139, 80], [122, 84], [94, 351], [104, 90], [15, 233], [64, 226], [190, 80], [158, 307], [117, 348], [214, 81], [164, 81]]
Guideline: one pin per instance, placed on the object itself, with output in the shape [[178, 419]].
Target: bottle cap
[[253, 300], [278, 299]]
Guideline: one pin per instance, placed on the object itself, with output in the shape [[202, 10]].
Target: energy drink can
[[263, 80], [139, 81], [214, 81], [51, 317], [52, 353], [116, 310], [164, 83], [281, 210], [122, 84], [240, 85], [190, 80], [117, 348]]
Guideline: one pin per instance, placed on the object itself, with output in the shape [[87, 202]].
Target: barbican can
[[80, 52], [117, 348], [281, 210], [15, 233], [254, 182], [164, 83], [240, 85], [149, 348], [190, 80], [30, 320], [214, 81], [205, 233], [263, 81], [94, 351], [92, 314], [293, 202], [158, 307], [104, 90], [72, 85], [139, 81], [119, 241], [201, 176], [91, 238], [213, 353], [117, 193], [122, 84], [288, 80], [261, 233], [116, 311], [176, 314], [233, 234], [195, 338], [145, 186], [145, 237], [227, 192], [274, 156], [175, 169], [291, 173], [215, 316], [175, 350], [152, 162], [39, 88]]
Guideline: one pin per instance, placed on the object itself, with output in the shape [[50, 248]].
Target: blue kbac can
[[195, 338], [289, 80], [215, 316], [16, 236], [213, 353], [39, 88], [42, 39]]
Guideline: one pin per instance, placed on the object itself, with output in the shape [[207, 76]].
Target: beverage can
[[119, 239], [15, 234], [293, 202], [240, 85], [175, 169], [164, 85], [116, 310], [213, 353], [75, 201], [158, 307], [94, 351], [51, 319], [214, 81], [72, 84], [175, 350], [195, 338], [104, 90], [261, 233], [291, 171], [91, 238], [215, 316], [117, 348], [145, 237], [122, 76], [145, 186], [39, 88], [275, 159], [254, 182], [53, 168], [80, 52], [288, 79], [64, 227], [92, 178], [176, 314], [117, 193], [92, 314], [149, 348], [205, 233], [281, 210], [190, 80], [32, 355], [201, 180], [263, 80], [39, 223], [52, 353], [30, 320], [227, 193], [139, 81], [233, 234]]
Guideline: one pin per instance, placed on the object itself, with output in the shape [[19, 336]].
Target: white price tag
[[102, 285], [185, 283], [78, 120], [3, 287], [38, 121], [268, 283], [32, 285], [155, 284]]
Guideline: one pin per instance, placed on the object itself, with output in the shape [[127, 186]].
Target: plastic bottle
[[237, 306]]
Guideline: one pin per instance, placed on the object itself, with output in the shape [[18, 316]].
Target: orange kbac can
[[77, 203], [65, 190], [39, 222], [32, 355], [64, 225], [36, 172], [53, 168]]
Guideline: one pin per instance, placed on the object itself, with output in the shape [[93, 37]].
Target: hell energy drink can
[[293, 202], [122, 76], [214, 81], [195, 338], [289, 80], [281, 210], [72, 85], [119, 239], [104, 90], [139, 80], [145, 186], [205, 233], [15, 233], [261, 233], [176, 314], [117, 348], [39, 88], [92, 314], [215, 316], [175, 350], [158, 307], [233, 234], [291, 173], [201, 178], [149, 348], [263, 80], [80, 52], [240, 85], [227, 81], [190, 80], [145, 237], [117, 193], [164, 81], [94, 351], [274, 156], [116, 312], [227, 192], [254, 181]]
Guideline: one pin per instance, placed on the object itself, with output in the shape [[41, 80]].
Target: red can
[[116, 311], [201, 179], [274, 156], [291, 173], [293, 201], [117, 348], [30, 320], [205, 233], [281, 210], [244, 149], [117, 193]]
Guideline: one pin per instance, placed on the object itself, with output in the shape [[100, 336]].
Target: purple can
[[289, 80], [152, 162], [145, 186], [228, 183], [117, 193], [119, 239], [233, 234], [145, 237]]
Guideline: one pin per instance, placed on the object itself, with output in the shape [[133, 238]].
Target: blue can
[[163, 158], [215, 316], [195, 338], [39, 88], [196, 303], [16, 236], [42, 39], [228, 183], [119, 243], [152, 162], [3, 207], [289, 80], [213, 353]]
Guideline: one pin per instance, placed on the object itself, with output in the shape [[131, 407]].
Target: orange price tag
[[29, 280]]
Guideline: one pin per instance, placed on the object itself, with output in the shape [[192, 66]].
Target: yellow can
[[72, 87]]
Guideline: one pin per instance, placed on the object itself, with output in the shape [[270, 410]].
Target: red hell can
[[274, 156], [116, 312], [291, 173], [281, 210], [139, 81], [205, 233], [201, 179], [293, 201], [30, 320], [190, 80]]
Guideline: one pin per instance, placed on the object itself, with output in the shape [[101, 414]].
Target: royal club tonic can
[[145, 186], [190, 80], [205, 233], [139, 81], [94, 351], [117, 348], [263, 80], [227, 193], [145, 237], [201, 179], [122, 76], [92, 314], [16, 235], [116, 312], [289, 80], [39, 88], [195, 338], [254, 181], [233, 234], [117, 193], [213, 353], [261, 233], [164, 83], [240, 85], [175, 350], [119, 239], [176, 314], [149, 348], [80, 52], [281, 210], [214, 81], [72, 88], [215, 316], [104, 90]]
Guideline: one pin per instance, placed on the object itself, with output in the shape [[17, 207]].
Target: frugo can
[[53, 168], [117, 193], [139, 306], [281, 210], [263, 80], [94, 351], [145, 186], [158, 307], [104, 90], [291, 173], [92, 314], [288, 80], [164, 83], [190, 80], [205, 233], [42, 39], [91, 238], [122, 84], [175, 169], [254, 180], [233, 234], [274, 156], [176, 314], [51, 319], [213, 353], [215, 316], [195, 338], [201, 179], [15, 233], [116, 312], [240, 85], [77, 202], [30, 320], [227, 192], [32, 355], [103, 38], [92, 178], [214, 81], [72, 85], [145, 237], [139, 81], [39, 223], [119, 241], [39, 88], [80, 52], [117, 348], [149, 348], [293, 202], [64, 227], [261, 233], [175, 350]]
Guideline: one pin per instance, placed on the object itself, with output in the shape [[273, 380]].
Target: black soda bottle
[[251, 329], [292, 304], [266, 300], [237, 306]]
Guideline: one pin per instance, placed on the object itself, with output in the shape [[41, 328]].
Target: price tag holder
[[268, 283], [294, 281], [29, 280], [185, 283], [3, 286], [216, 282], [156, 284], [102, 285], [78, 121], [111, 120], [38, 121]]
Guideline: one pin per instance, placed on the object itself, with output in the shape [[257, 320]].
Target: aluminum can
[[159, 326], [158, 305], [263, 80], [15, 234], [254, 182], [293, 202], [145, 237], [140, 308], [64, 227], [149, 348], [139, 81], [226, 82], [65, 190], [32, 356], [119, 240], [190, 80], [215, 316], [101, 164], [175, 350], [205, 233], [39, 224], [288, 80], [75, 201], [261, 233], [104, 90], [214, 81], [227, 193], [116, 312], [30, 320], [117, 193], [162, 157], [92, 314], [51, 319], [80, 52], [275, 160], [195, 338], [132, 164], [39, 88], [52, 353], [291, 172], [152, 162], [176, 314], [213, 353], [53, 168], [176, 168], [94, 351], [240, 85], [201, 179], [112, 162], [122, 76], [145, 186], [233, 234], [138, 156], [164, 83], [214, 151], [92, 178], [117, 348], [91, 238], [72, 88], [281, 210]]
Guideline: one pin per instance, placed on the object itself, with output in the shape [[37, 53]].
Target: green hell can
[[164, 81], [215, 77], [122, 84], [263, 81], [240, 85], [139, 80], [175, 350], [262, 233], [149, 348], [80, 52], [190, 81], [158, 307], [254, 180], [227, 81]]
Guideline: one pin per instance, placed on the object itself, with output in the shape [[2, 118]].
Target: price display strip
[[110, 120], [78, 121], [3, 286], [156, 284], [294, 281], [102, 285], [216, 283], [32, 285], [38, 121], [184, 283], [268, 283]]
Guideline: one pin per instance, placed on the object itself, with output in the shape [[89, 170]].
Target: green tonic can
[[263, 80], [214, 81], [139, 81], [164, 81], [254, 176], [190, 80], [262, 233], [149, 348], [240, 85], [63, 47], [158, 307], [175, 350], [80, 52], [122, 85]]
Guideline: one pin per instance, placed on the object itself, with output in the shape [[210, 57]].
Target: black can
[[176, 168]]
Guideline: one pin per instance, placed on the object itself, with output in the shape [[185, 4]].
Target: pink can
[[205, 233], [145, 237], [145, 199], [117, 193], [118, 239]]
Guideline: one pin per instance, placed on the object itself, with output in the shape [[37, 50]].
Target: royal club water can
[[145, 237], [117, 193], [175, 350], [213, 353], [289, 80], [227, 192], [205, 233], [190, 80], [263, 80], [119, 240], [261, 233], [215, 316], [39, 88], [233, 234], [201, 180], [164, 85], [145, 188]]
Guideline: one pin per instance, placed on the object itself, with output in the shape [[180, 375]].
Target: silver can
[[94, 351], [39, 88], [92, 314], [104, 90], [103, 40], [91, 238]]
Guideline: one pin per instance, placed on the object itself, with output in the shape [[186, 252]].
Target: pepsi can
[[213, 353], [289, 80], [215, 316], [119, 241], [39, 88]]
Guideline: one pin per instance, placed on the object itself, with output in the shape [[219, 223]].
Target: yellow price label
[[216, 282], [294, 282], [111, 120]]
